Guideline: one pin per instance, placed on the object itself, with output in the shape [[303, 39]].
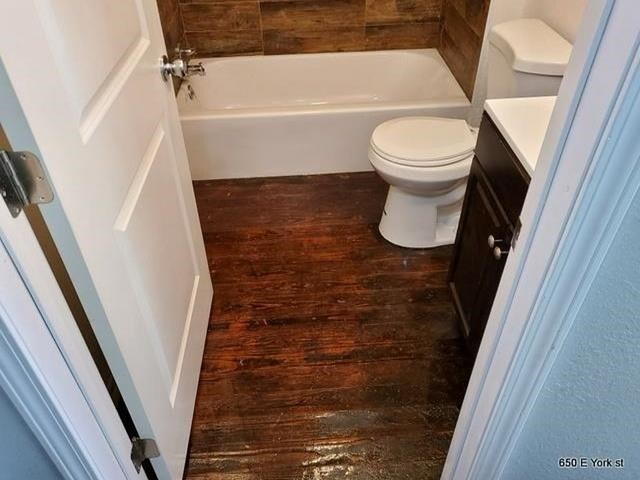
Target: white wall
[[563, 15]]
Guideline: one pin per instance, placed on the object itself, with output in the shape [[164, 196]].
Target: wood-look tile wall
[[250, 27], [463, 23], [246, 27], [172, 25]]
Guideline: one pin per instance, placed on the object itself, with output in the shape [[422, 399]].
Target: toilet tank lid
[[532, 46]]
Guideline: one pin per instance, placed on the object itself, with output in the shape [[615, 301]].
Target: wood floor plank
[[330, 353]]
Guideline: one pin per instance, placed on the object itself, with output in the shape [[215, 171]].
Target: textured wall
[[21, 455], [590, 402], [463, 26]]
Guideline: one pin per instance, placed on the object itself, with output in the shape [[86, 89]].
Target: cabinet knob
[[492, 241], [498, 253]]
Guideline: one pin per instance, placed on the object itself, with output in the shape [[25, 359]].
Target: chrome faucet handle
[[197, 69], [185, 52]]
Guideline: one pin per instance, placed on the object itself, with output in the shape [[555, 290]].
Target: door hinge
[[22, 181], [516, 234], [143, 449]]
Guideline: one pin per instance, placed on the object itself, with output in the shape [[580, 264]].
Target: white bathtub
[[306, 114]]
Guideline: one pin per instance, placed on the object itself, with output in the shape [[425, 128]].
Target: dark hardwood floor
[[331, 353]]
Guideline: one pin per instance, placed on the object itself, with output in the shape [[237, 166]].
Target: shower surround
[[265, 27]]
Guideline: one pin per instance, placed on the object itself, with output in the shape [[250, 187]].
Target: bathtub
[[307, 114]]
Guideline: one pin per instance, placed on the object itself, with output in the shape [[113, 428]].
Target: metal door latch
[[143, 449], [516, 233], [22, 181]]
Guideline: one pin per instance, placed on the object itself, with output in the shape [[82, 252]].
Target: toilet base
[[415, 221]]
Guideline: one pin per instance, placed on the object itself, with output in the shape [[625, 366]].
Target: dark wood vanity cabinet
[[495, 193]]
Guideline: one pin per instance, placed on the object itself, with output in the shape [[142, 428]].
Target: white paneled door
[[87, 76]]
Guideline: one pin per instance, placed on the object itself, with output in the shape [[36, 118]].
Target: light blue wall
[[21, 455], [590, 403]]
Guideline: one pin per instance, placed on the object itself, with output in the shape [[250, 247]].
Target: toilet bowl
[[425, 161]]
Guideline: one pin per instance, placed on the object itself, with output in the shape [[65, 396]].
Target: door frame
[[37, 379], [581, 189], [546, 264]]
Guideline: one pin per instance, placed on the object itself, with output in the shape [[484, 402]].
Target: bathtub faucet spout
[[197, 69]]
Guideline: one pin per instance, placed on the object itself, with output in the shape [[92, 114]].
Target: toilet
[[426, 160]]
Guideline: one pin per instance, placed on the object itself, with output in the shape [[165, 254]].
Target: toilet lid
[[423, 141]]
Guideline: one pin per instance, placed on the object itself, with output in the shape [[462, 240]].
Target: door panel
[[146, 230], [87, 76], [96, 47]]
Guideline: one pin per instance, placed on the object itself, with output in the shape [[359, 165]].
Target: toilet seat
[[423, 141], [451, 172]]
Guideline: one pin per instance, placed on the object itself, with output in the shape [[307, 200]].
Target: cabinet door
[[475, 272]]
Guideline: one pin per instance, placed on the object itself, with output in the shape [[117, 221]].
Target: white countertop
[[523, 123]]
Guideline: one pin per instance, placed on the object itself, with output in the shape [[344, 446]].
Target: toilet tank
[[527, 58]]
